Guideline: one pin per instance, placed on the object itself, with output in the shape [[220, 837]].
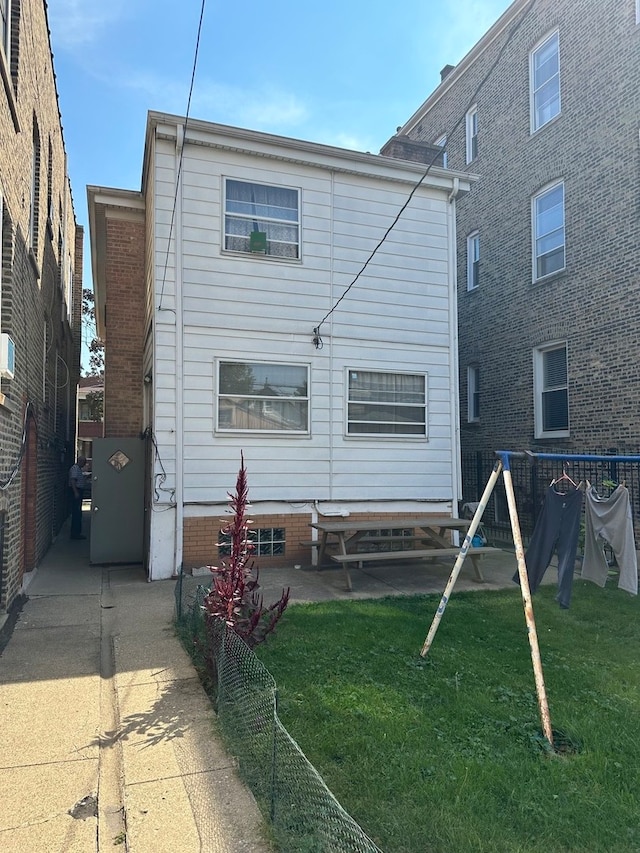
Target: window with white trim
[[261, 219], [637, 11], [392, 404], [442, 142], [544, 78], [473, 394], [5, 28], [548, 231], [263, 397], [472, 134], [473, 260], [551, 391]]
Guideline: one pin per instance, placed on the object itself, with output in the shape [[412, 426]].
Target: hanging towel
[[557, 529], [609, 520]]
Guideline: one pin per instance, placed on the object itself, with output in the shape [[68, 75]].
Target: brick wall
[[123, 410], [201, 536], [39, 248], [594, 303]]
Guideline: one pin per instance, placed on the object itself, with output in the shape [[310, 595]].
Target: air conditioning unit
[[7, 357]]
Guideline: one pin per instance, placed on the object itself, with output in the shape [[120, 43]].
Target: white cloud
[[77, 23]]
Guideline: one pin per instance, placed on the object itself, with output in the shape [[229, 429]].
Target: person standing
[[76, 486]]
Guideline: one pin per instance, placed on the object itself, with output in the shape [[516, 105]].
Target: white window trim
[[232, 430], [473, 372], [5, 43], [538, 389], [471, 119], [260, 255], [534, 256], [385, 436], [442, 142], [473, 241], [534, 127]]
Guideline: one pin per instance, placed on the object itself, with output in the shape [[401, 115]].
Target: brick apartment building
[[40, 307], [545, 109]]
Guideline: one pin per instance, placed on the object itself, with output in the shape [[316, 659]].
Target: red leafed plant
[[233, 595]]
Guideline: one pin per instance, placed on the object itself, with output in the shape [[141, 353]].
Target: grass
[[445, 753]]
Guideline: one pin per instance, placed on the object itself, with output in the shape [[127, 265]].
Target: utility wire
[[186, 121], [317, 340]]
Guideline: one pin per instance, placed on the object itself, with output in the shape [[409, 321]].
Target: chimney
[[400, 147], [445, 72]]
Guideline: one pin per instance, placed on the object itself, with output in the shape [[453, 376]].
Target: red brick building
[[40, 299]]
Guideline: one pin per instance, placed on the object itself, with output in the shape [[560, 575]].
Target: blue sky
[[340, 72]]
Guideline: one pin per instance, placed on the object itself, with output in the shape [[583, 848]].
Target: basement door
[[117, 501]]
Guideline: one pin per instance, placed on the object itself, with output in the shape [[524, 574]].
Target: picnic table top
[[424, 521]]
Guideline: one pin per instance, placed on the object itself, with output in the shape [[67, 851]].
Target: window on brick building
[[472, 134], [263, 397], [473, 394], [473, 260], [548, 231], [34, 204], [551, 391], [386, 404], [266, 541], [5, 28], [442, 142], [545, 82], [262, 219]]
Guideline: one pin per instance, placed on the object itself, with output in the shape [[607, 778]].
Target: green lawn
[[445, 754]]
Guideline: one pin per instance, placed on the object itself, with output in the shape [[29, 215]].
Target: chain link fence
[[304, 814]]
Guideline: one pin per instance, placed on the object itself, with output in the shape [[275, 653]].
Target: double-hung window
[[551, 391], [473, 260], [548, 231], [545, 82], [473, 394], [442, 142], [472, 134], [392, 404], [263, 397], [5, 28], [261, 219]]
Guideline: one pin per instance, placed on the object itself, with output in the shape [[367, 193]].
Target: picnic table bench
[[433, 533]]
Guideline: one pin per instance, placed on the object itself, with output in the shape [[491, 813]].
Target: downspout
[[456, 476], [177, 242]]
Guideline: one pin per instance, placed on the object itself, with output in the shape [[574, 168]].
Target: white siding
[[397, 317]]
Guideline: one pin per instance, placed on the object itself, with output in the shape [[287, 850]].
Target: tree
[[96, 347]]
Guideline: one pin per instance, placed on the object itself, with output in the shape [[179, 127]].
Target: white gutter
[[456, 474], [177, 242]]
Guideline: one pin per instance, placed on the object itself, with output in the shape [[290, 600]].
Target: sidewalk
[[105, 732], [106, 735]]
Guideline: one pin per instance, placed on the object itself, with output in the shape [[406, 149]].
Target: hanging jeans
[[609, 519], [557, 529]]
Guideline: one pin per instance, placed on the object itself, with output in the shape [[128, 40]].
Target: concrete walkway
[[107, 737]]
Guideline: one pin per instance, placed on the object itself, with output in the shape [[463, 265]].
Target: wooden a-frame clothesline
[[503, 466]]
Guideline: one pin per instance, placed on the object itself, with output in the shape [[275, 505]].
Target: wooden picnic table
[[430, 531]]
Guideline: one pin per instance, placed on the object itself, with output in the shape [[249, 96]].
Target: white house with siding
[[291, 316]]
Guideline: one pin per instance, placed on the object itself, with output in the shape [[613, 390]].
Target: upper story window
[[387, 404], [473, 260], [545, 82], [551, 391], [473, 394], [263, 397], [262, 219], [34, 204], [472, 134], [548, 231], [5, 28], [442, 142]]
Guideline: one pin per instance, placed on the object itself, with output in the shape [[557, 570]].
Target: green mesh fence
[[304, 814]]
